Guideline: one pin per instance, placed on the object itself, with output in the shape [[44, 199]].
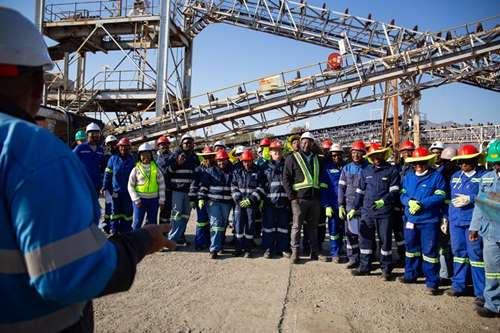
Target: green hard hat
[[494, 152], [80, 135]]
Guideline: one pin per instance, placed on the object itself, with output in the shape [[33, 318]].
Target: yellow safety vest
[[151, 183], [309, 181]]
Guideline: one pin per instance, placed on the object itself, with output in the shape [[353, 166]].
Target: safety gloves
[[460, 201], [192, 204], [377, 204], [329, 212], [414, 206], [351, 214], [245, 203], [342, 212], [201, 203]]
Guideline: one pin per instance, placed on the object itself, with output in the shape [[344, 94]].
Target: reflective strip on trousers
[[365, 251], [430, 260], [352, 246], [385, 253], [334, 237], [282, 230], [479, 264], [400, 243], [492, 276], [412, 254], [460, 260], [201, 224], [217, 229], [268, 230]]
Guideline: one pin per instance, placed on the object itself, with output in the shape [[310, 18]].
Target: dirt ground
[[185, 291]]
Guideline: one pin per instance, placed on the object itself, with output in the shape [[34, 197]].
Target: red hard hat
[[207, 150], [358, 145], [326, 144], [246, 156], [124, 142], [275, 145], [162, 139], [374, 147], [265, 142], [420, 152], [407, 145], [467, 150], [221, 155]]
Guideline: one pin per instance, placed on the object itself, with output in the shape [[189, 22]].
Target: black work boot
[[294, 258]]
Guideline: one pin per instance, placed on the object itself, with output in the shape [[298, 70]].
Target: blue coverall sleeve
[[360, 191], [107, 183], [394, 190], [235, 190], [342, 188], [68, 258], [324, 190], [404, 195], [437, 197]]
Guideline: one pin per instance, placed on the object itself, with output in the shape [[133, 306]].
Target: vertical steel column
[[162, 63], [188, 72], [66, 71], [416, 121], [39, 9]]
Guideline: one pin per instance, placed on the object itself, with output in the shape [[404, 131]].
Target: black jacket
[[292, 174]]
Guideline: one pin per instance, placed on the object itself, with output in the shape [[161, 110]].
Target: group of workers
[[425, 198]]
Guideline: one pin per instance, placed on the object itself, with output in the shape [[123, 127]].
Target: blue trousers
[[275, 222], [422, 248], [181, 210], [202, 236], [467, 259], [336, 231], [149, 208], [244, 224], [218, 213], [491, 252], [122, 213], [367, 228], [352, 241], [108, 210]]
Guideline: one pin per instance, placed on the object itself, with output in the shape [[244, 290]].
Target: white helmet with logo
[[92, 127], [146, 147], [110, 138], [437, 145], [307, 135]]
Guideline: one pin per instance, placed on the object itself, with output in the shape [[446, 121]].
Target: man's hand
[[158, 239], [329, 212], [342, 213], [138, 203], [414, 206], [377, 204], [103, 192], [181, 159], [473, 235], [201, 203], [351, 214]]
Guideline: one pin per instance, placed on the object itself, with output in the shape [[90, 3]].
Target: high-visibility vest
[[151, 184], [309, 181]]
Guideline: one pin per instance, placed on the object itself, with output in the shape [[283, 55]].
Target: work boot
[[213, 255], [294, 257], [387, 276], [444, 282], [325, 258], [267, 254], [237, 253], [453, 293], [352, 264], [402, 279], [248, 254], [486, 313], [356, 272], [286, 254], [479, 301], [432, 291], [314, 256]]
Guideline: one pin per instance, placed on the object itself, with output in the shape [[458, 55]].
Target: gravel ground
[[185, 291]]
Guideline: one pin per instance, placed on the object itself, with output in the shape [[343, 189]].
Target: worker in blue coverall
[[276, 212], [330, 176], [484, 223], [422, 195], [111, 148], [115, 182], [376, 195], [53, 258], [215, 194], [467, 254], [348, 181], [247, 192], [202, 234], [91, 154]]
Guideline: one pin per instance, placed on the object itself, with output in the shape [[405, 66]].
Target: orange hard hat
[[420, 152], [407, 145], [358, 145], [265, 142], [326, 144], [275, 144], [221, 155], [466, 152], [207, 150], [247, 156], [162, 139], [124, 142]]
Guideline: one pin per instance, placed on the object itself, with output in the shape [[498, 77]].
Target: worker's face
[[112, 145], [468, 164], [406, 153], [296, 145], [247, 164], [306, 145], [217, 148], [420, 166], [187, 144], [93, 137], [124, 150], [222, 164], [378, 158], [146, 157], [337, 157], [164, 147], [356, 155], [438, 155], [275, 154]]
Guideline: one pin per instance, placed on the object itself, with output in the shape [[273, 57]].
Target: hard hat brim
[[492, 158], [431, 158], [466, 157]]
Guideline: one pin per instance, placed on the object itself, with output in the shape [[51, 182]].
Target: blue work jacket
[[349, 179], [329, 180], [181, 176], [117, 173], [486, 218], [215, 184], [93, 162], [462, 184], [247, 185], [273, 184]]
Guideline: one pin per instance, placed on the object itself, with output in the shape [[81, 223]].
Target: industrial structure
[[379, 61]]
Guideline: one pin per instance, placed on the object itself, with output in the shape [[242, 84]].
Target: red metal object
[[334, 62]]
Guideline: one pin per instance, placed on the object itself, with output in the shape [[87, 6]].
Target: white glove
[[461, 200]]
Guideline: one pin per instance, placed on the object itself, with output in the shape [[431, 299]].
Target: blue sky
[[226, 55]]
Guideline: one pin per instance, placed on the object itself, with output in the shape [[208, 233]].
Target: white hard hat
[[239, 150], [336, 147], [307, 135], [220, 143], [186, 136], [437, 145], [110, 138], [448, 153], [146, 147], [21, 42], [259, 150], [92, 127]]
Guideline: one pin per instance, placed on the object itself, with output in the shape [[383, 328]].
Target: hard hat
[[219, 143], [359, 145], [21, 42], [448, 153], [421, 154], [246, 156], [275, 144], [124, 142], [493, 152], [110, 138], [145, 147], [326, 144], [437, 145], [293, 137], [239, 150], [265, 142], [259, 150], [221, 155], [162, 140], [206, 151], [466, 152], [336, 147], [307, 135], [376, 148], [186, 136], [92, 127], [80, 136], [407, 145]]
